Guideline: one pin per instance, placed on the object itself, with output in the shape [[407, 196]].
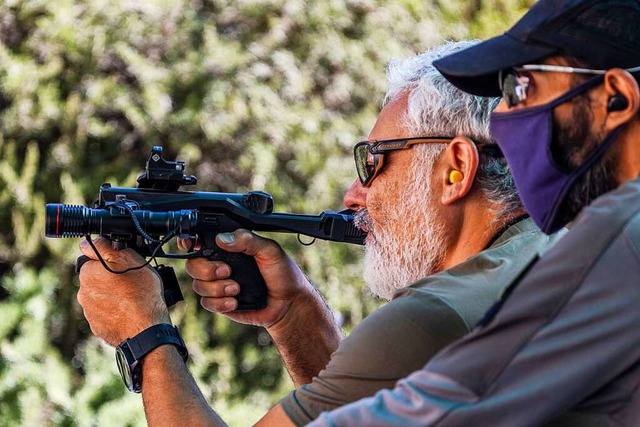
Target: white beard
[[396, 259]]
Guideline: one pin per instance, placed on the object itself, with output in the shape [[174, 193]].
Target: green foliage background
[[253, 94]]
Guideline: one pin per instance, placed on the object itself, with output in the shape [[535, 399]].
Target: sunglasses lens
[[509, 82], [514, 87], [365, 164]]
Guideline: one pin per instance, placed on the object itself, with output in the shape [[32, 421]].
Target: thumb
[[101, 244], [108, 253], [251, 244]]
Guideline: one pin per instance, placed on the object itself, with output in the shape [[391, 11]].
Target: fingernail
[[227, 238], [222, 272], [230, 290], [229, 305], [83, 243]]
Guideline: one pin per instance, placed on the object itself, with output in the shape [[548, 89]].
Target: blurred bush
[[254, 94]]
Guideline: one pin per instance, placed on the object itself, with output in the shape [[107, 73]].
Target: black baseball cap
[[603, 33]]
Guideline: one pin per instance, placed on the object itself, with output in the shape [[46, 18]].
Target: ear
[[460, 155], [619, 83]]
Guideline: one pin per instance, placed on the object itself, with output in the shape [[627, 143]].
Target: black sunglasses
[[369, 155], [515, 86]]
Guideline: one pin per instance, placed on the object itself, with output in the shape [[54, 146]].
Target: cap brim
[[475, 69]]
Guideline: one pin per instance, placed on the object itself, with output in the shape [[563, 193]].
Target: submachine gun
[[148, 216]]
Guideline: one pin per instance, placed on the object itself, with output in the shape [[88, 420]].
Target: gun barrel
[[77, 221]]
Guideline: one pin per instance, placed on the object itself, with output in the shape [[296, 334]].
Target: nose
[[356, 196]]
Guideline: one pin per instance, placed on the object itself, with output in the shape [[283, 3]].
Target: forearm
[[170, 394], [306, 337]]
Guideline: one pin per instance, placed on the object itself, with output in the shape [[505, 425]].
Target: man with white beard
[[443, 216], [394, 259]]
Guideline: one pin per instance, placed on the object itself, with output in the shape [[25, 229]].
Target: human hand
[[119, 306], [285, 281]]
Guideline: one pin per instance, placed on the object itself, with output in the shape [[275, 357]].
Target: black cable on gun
[[143, 233], [136, 223]]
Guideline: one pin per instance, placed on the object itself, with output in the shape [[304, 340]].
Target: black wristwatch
[[130, 352]]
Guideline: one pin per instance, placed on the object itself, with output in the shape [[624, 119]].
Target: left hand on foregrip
[[119, 306]]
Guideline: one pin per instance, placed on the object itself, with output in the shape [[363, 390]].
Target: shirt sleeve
[[566, 338], [394, 341]]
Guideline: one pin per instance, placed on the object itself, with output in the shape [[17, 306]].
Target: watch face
[[123, 367]]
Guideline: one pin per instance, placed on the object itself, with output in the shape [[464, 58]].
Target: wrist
[[141, 321], [307, 305], [131, 352]]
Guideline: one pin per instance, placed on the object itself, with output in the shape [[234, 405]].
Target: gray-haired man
[[566, 336], [442, 213]]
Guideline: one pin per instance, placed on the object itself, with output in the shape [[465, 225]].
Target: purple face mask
[[525, 139]]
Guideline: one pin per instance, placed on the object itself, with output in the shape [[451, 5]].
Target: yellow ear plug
[[455, 176]]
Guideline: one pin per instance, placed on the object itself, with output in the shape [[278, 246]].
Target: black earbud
[[617, 103]]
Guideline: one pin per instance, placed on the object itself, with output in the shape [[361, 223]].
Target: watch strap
[[130, 353], [152, 338]]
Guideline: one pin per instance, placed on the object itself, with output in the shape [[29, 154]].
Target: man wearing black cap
[[566, 335]]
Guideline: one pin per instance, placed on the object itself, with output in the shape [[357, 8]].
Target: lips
[[362, 220]]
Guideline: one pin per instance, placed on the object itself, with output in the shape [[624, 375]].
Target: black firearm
[[148, 216]]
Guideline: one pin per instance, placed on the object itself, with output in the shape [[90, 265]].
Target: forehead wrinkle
[[389, 124]]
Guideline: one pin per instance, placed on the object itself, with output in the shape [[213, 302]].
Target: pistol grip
[[244, 270]]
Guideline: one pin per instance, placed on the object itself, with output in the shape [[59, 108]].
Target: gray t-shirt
[[404, 334], [565, 337]]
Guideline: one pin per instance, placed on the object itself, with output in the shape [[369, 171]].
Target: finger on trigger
[[188, 245], [183, 244]]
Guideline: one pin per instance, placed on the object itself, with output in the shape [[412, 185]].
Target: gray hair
[[437, 108]]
